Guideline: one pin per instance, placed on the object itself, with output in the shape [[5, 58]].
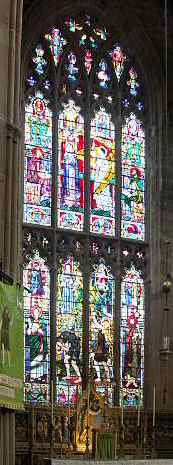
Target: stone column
[[15, 216], [12, 438], [1, 437], [9, 145], [6, 439]]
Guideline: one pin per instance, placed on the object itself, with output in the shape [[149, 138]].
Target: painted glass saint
[[69, 331], [36, 314], [102, 174], [102, 290], [39, 60], [132, 338], [56, 43], [133, 176], [118, 60], [38, 161], [71, 168], [103, 75]]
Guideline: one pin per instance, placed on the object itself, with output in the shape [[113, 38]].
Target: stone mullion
[[9, 145], [86, 261], [53, 273], [117, 307], [15, 219]]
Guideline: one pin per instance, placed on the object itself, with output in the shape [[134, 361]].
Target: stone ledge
[[109, 462]]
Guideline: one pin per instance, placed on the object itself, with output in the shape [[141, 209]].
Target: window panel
[[102, 175], [38, 161], [132, 338], [83, 60], [133, 175], [69, 331], [71, 168], [102, 295], [37, 330]]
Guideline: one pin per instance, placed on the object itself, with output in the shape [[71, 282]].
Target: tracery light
[[84, 176]]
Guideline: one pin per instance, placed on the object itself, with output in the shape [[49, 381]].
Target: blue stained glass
[[71, 167], [103, 74], [57, 43], [72, 69], [39, 60]]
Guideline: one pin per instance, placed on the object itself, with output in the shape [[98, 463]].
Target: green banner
[[11, 347]]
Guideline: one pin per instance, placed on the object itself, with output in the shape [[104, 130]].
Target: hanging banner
[[11, 347]]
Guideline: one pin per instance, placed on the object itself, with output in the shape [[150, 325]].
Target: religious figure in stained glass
[[103, 74], [69, 330], [133, 175], [132, 337], [39, 60], [101, 324], [71, 171], [38, 157], [36, 307], [57, 43], [72, 69], [118, 59], [71, 168], [102, 180]]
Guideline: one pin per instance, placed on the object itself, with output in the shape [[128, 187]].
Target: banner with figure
[[11, 347]]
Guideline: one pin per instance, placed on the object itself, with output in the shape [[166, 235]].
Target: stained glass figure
[[132, 338], [101, 327], [102, 174], [88, 61], [133, 176], [103, 74], [37, 330], [72, 69], [39, 60], [57, 43], [132, 82], [88, 40], [71, 168], [47, 84], [69, 331], [38, 161], [101, 33], [118, 60], [31, 81], [72, 25]]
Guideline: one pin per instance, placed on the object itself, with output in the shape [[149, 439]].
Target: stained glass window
[[102, 294], [132, 338], [133, 175], [84, 200], [71, 167], [38, 161], [102, 174], [37, 329], [69, 331]]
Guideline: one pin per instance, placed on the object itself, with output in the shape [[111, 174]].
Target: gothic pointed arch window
[[84, 216]]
